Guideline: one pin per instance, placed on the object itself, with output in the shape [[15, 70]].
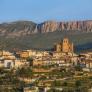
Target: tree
[[30, 60], [65, 84], [78, 68], [78, 83], [24, 72], [56, 83]]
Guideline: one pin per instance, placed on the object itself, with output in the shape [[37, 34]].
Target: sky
[[44, 10]]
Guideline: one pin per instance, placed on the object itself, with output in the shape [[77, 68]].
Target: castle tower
[[72, 47], [65, 45], [58, 47]]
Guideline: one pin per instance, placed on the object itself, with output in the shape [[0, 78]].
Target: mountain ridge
[[21, 28], [29, 35]]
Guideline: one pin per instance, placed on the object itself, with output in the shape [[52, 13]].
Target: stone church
[[64, 46]]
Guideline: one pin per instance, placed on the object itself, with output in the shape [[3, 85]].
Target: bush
[[78, 83]]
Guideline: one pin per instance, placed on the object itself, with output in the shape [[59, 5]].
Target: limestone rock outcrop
[[51, 26], [22, 28]]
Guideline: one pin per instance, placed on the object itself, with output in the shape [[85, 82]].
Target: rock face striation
[[21, 28], [51, 26]]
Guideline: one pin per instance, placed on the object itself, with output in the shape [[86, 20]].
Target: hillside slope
[[81, 40], [43, 36]]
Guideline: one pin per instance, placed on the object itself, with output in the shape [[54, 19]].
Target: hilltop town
[[60, 70]]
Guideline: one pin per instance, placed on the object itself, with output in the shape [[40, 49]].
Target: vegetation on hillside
[[82, 41]]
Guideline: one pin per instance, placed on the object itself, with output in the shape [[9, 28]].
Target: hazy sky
[[42, 10]]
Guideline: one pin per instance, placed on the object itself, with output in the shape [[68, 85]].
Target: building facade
[[64, 46]]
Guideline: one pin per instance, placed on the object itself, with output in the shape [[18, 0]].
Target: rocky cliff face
[[21, 28], [51, 26]]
